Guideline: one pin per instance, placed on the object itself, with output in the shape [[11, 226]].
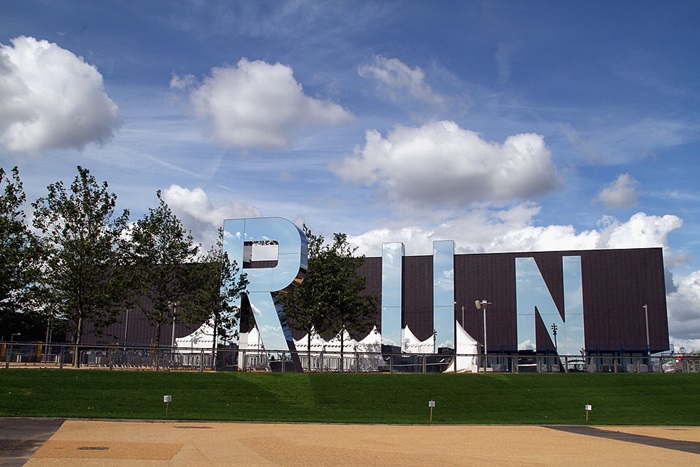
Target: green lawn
[[617, 399]]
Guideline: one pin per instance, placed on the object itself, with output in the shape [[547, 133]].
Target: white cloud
[[526, 345], [257, 104], [622, 193], [442, 163], [395, 80], [684, 311], [503, 58], [51, 99], [182, 82], [198, 214], [640, 231], [482, 230]]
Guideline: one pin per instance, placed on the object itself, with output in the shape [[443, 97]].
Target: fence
[[42, 355]]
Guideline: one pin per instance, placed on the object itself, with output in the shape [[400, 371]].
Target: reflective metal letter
[[392, 261], [532, 292], [241, 238], [443, 294]]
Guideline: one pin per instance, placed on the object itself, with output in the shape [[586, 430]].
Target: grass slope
[[617, 399]]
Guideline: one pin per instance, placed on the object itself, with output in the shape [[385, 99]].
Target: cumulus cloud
[[51, 99], [396, 80], [483, 230], [622, 193], [182, 82], [442, 163], [640, 231], [198, 214], [684, 311], [257, 104]]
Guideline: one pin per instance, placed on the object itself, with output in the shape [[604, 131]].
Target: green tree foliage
[[331, 298], [82, 252], [218, 287], [16, 249], [163, 253]]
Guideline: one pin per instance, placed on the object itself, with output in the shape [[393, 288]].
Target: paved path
[[115, 443]]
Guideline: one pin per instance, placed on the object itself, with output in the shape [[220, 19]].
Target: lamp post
[[554, 333], [481, 305], [174, 307], [646, 321]]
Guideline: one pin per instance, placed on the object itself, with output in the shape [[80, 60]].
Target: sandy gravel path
[[109, 443]]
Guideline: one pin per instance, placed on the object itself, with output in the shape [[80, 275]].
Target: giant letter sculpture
[[267, 279], [392, 262], [535, 301]]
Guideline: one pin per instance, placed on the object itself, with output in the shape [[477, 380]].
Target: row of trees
[[84, 262]]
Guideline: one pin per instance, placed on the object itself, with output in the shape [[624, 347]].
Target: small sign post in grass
[[588, 408], [431, 404], [167, 398]]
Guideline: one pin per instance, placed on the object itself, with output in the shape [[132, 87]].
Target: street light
[[12, 336], [481, 305], [126, 328], [646, 320], [174, 308], [554, 332]]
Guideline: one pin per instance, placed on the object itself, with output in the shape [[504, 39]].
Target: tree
[[162, 252], [331, 298], [82, 252], [17, 249], [218, 287]]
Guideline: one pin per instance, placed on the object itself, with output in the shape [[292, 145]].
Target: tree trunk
[[158, 329], [78, 335], [342, 348], [213, 344], [308, 350]]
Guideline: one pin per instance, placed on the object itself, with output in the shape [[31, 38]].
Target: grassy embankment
[[617, 399]]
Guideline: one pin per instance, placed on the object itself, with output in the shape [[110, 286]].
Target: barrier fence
[[52, 355]]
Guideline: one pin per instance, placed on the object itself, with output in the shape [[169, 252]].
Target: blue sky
[[501, 125]]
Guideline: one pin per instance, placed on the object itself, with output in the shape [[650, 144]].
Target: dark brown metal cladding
[[417, 295], [488, 277], [616, 286]]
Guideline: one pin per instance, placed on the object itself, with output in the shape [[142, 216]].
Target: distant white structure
[[467, 351], [197, 349], [363, 355]]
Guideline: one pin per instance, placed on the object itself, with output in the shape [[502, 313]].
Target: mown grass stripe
[[617, 399]]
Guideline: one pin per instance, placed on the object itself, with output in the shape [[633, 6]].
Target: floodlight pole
[[173, 306], [554, 332], [646, 321], [481, 305], [486, 348]]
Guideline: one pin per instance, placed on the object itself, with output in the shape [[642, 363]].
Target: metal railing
[[42, 355]]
